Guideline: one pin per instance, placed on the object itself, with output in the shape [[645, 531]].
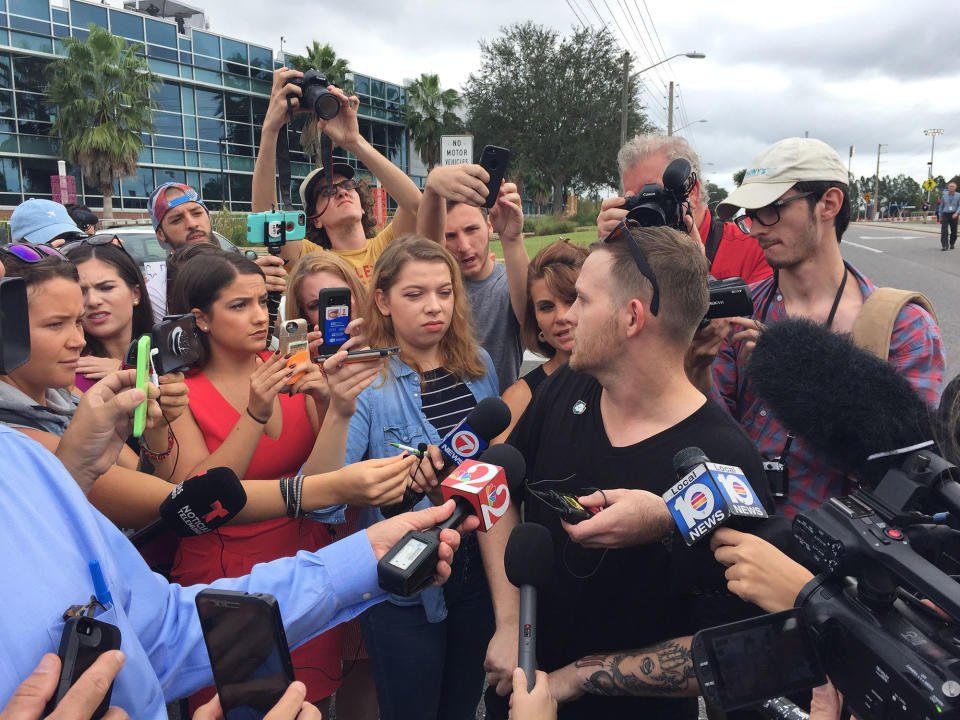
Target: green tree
[[716, 194], [556, 103], [738, 177], [101, 95], [431, 113], [324, 59]]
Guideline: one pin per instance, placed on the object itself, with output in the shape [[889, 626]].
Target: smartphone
[[248, 650], [494, 160], [84, 639], [14, 325], [176, 346], [743, 663], [143, 375], [355, 356], [293, 339], [334, 315]]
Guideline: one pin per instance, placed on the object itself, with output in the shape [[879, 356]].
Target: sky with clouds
[[850, 73]]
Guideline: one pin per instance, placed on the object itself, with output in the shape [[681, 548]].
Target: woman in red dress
[[239, 418]]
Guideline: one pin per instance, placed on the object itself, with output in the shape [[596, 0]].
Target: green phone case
[[143, 375]]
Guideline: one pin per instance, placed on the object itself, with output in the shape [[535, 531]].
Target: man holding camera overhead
[[337, 208]]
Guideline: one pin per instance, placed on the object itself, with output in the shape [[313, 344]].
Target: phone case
[[292, 335], [494, 160], [84, 639], [248, 650], [335, 302], [143, 374]]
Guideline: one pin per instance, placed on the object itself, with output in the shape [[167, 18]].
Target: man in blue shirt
[[949, 210]]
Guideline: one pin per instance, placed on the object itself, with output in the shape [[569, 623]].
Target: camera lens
[[326, 105], [291, 327]]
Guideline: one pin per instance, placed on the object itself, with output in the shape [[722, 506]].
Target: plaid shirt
[[916, 351]]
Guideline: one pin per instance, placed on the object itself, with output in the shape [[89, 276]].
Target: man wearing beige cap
[[794, 200]]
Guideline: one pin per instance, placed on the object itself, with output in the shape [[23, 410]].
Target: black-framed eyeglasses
[[331, 190], [622, 232], [31, 253], [767, 215]]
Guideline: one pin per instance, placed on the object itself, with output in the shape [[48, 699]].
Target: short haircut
[[673, 146], [681, 270], [451, 204], [316, 262], [558, 265], [819, 189]]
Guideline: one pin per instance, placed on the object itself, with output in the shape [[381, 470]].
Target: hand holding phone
[[334, 316], [143, 376], [83, 641], [494, 160], [293, 342]]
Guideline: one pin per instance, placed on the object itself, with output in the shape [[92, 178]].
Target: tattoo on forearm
[[664, 669]]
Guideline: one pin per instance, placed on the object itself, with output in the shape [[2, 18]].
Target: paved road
[[909, 256]]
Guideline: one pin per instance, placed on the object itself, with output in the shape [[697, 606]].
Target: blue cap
[[40, 221]]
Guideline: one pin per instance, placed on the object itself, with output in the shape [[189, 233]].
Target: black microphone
[[466, 441], [843, 401], [529, 562], [198, 505]]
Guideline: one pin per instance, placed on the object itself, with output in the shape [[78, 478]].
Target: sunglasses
[[30, 253], [622, 232], [94, 240]]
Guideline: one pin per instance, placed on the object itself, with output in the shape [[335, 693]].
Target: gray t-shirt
[[497, 328]]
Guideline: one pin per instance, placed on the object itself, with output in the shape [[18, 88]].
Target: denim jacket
[[390, 411]]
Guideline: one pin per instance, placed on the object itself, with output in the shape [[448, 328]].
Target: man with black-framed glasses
[[613, 419], [794, 201]]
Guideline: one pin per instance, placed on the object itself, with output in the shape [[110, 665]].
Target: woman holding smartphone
[[242, 417], [417, 302]]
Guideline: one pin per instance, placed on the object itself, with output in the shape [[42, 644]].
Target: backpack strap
[[712, 242], [874, 324]]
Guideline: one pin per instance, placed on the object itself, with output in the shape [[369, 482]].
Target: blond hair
[[321, 262]]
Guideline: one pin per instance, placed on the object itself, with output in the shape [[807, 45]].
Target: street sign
[[867, 197], [456, 149], [929, 184]]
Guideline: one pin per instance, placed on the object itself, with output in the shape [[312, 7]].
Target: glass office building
[[211, 102]]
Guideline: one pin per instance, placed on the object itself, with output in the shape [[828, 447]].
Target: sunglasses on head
[[94, 240], [622, 233], [28, 252]]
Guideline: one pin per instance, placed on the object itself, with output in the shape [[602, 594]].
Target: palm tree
[[101, 95], [430, 114], [324, 59]]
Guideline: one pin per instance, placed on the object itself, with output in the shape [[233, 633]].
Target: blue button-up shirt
[[391, 411], [49, 535], [950, 203]]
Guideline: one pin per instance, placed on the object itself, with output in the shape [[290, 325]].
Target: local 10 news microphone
[[466, 441], [479, 487], [529, 563], [198, 505], [707, 495]]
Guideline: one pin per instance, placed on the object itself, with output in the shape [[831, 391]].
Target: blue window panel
[[263, 75], [202, 61], [210, 146], [193, 179], [40, 145], [9, 174], [210, 160], [33, 107], [60, 16], [139, 185], [61, 31], [211, 186], [232, 81], [168, 157], [206, 44], [165, 141], [185, 44], [192, 160], [35, 26], [377, 88], [208, 76], [261, 58], [237, 107], [161, 33], [186, 57], [186, 72], [145, 155], [162, 52], [82, 14], [210, 129], [393, 93], [30, 42], [8, 144], [261, 86], [6, 103], [39, 9], [190, 127], [165, 123], [5, 71], [167, 96], [80, 34], [361, 84], [241, 186], [190, 144], [234, 50], [126, 25], [162, 67], [209, 103], [3, 4], [186, 98]]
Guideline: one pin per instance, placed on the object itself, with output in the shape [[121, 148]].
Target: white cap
[[779, 168]]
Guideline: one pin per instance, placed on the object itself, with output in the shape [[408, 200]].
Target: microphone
[[843, 401], [529, 562], [478, 488], [707, 494], [466, 441], [198, 505]]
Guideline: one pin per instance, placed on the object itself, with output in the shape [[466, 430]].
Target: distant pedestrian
[[949, 211]]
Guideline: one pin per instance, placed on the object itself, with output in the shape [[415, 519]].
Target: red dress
[[205, 558]]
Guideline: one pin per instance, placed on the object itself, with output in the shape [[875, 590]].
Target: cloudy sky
[[850, 72]]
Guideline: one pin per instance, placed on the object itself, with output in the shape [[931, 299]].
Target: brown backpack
[[874, 325]]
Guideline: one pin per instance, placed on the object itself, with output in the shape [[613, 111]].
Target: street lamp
[[688, 125], [932, 132], [693, 55]]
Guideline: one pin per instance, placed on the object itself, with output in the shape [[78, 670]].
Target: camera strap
[[283, 158], [714, 237]]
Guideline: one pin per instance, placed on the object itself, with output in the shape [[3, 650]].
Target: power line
[[579, 19]]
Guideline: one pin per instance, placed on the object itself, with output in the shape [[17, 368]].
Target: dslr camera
[[316, 96], [665, 204], [886, 556]]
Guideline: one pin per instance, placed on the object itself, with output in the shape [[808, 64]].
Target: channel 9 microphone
[[529, 562], [198, 505], [466, 441], [479, 487], [706, 495]]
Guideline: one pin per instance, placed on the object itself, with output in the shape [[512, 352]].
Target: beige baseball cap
[[779, 168]]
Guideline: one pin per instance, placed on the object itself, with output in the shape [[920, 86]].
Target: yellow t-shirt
[[362, 259]]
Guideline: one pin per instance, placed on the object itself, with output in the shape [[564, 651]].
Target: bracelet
[[293, 496], [255, 418], [150, 454], [283, 490]]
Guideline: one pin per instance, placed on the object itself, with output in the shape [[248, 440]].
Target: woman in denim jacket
[[427, 650]]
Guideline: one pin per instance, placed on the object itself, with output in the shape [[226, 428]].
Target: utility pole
[[876, 187], [624, 109], [670, 110], [933, 132], [850, 162]]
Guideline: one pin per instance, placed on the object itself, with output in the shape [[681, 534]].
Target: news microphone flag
[[708, 494], [485, 483], [473, 434]]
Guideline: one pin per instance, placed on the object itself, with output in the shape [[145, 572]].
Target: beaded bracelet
[[161, 455]]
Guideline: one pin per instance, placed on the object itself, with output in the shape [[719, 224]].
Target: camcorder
[[316, 96], [174, 343], [729, 297], [881, 619], [274, 228]]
